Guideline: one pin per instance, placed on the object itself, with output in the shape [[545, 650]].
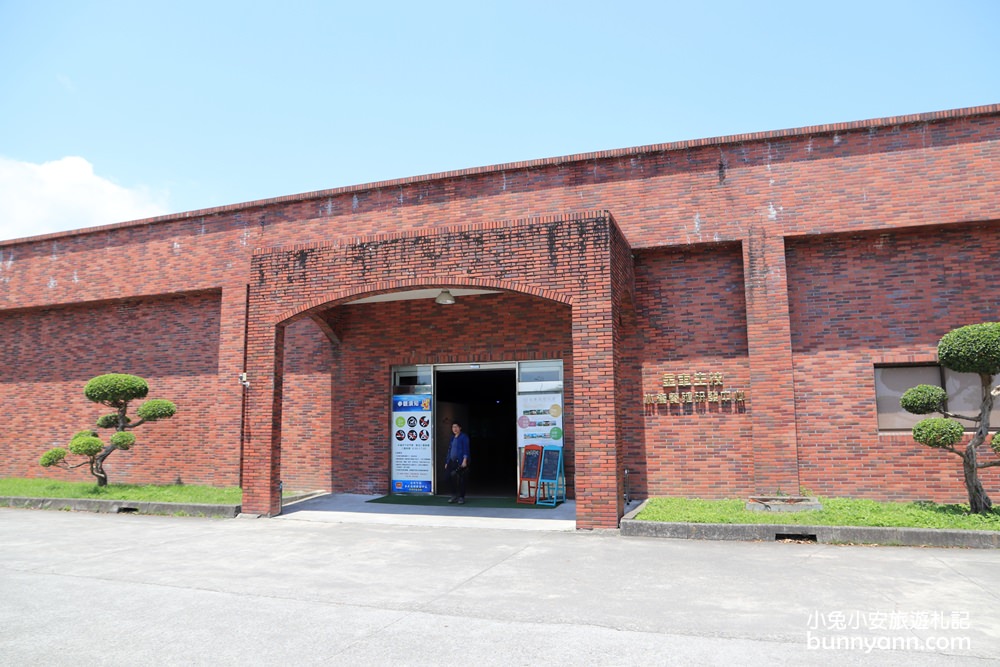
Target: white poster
[[412, 444], [539, 419]]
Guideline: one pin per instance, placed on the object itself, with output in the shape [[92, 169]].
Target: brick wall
[[692, 319], [307, 416], [864, 299], [773, 196], [171, 341]]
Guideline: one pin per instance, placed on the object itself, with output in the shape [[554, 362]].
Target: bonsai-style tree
[[970, 349], [114, 390]]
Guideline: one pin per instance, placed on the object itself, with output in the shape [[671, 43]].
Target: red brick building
[[719, 317]]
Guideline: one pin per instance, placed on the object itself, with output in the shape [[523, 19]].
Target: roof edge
[[967, 112]]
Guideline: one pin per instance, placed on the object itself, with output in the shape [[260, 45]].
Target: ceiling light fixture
[[444, 298]]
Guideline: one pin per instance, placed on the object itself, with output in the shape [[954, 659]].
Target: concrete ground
[[350, 508], [335, 581]]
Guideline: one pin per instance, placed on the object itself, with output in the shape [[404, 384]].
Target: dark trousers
[[459, 477]]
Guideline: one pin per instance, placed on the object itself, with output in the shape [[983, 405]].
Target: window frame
[[915, 418], [944, 375]]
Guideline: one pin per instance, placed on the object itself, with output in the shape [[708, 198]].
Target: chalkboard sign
[[529, 464], [552, 481], [550, 463]]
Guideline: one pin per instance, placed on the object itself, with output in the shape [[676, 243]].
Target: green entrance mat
[[470, 501]]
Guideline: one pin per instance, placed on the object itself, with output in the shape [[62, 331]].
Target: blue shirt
[[459, 448]]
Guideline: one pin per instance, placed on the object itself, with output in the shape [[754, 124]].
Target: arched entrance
[[554, 290]]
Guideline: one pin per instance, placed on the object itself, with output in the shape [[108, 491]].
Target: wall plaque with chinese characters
[[690, 389]]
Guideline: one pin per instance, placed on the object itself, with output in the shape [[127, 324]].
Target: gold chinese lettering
[[701, 387]]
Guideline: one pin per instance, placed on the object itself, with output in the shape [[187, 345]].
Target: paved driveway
[[311, 589]]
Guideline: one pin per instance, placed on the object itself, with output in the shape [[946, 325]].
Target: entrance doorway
[[484, 401]]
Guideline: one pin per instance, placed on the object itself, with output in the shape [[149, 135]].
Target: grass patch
[[171, 493], [835, 512]]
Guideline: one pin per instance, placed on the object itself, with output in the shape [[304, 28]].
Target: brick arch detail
[[385, 287]]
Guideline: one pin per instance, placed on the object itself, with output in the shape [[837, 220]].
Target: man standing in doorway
[[457, 463]]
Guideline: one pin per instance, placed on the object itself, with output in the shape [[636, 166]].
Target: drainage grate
[[128, 510], [794, 537]]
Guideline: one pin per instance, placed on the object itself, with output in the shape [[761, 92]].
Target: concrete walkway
[[351, 508], [384, 587]]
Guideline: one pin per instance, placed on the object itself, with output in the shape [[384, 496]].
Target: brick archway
[[581, 260]]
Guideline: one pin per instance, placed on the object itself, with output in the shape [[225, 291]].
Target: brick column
[[228, 411], [772, 395], [596, 449], [262, 436]]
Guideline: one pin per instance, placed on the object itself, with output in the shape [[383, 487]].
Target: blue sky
[[116, 110]]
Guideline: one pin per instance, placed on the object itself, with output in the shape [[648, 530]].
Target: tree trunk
[[97, 470], [97, 467], [979, 502]]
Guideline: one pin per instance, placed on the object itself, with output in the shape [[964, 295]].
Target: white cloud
[[66, 194]]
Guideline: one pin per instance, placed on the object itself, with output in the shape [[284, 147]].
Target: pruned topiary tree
[[115, 390], [969, 349]]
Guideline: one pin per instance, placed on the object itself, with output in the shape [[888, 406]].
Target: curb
[[763, 532], [121, 506]]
